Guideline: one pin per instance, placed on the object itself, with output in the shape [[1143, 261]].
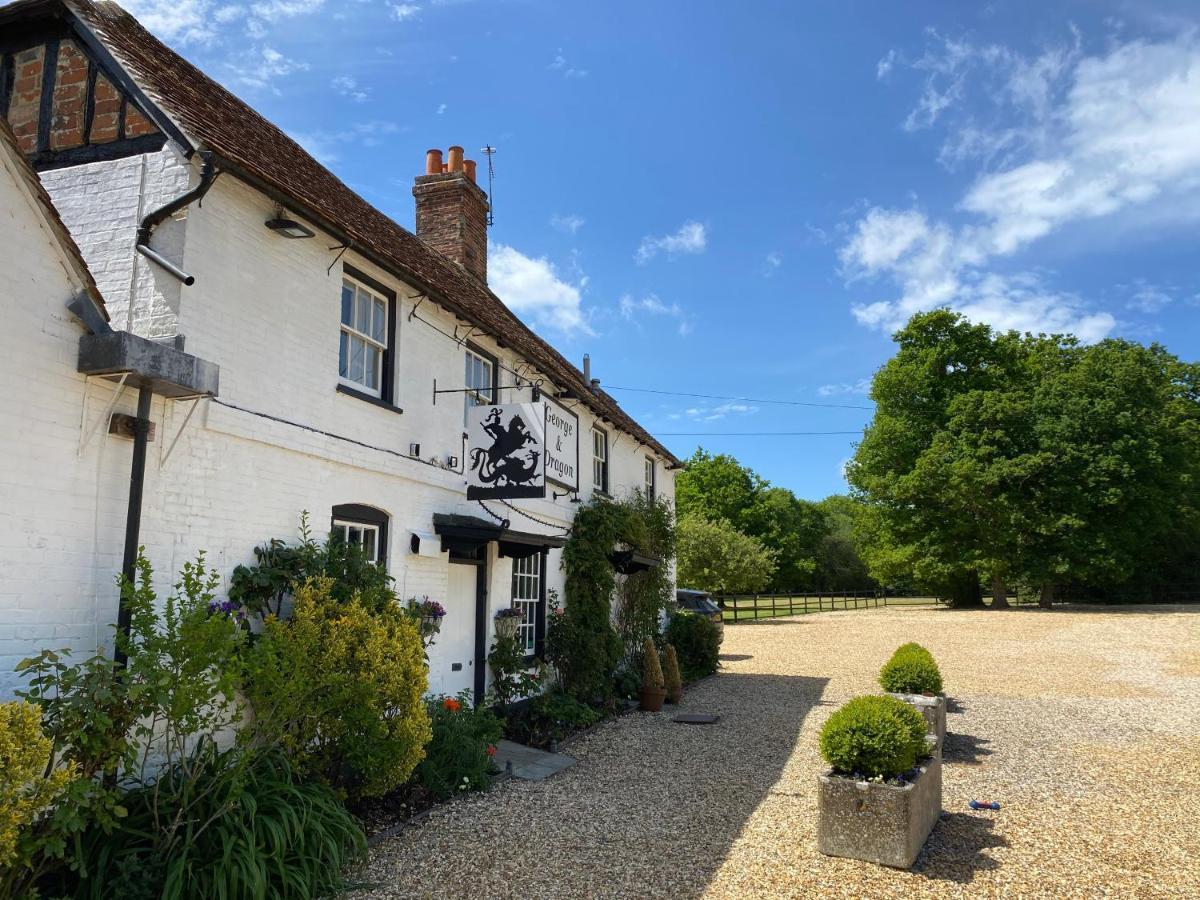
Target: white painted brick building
[[286, 431]]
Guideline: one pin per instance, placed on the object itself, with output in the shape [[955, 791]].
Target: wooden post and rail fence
[[750, 607]]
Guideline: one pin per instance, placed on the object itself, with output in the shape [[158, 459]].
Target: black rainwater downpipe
[[133, 517], [152, 219]]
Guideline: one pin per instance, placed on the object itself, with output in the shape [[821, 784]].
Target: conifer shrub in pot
[[653, 691], [912, 675], [883, 793], [671, 676]]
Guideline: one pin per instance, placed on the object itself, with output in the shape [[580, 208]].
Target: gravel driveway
[[1085, 725]]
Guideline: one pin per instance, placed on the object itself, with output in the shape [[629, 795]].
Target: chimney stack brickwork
[[452, 212]]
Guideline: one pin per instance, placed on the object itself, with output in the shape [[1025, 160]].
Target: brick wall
[[452, 219]]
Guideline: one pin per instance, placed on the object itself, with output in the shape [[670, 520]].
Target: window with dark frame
[[651, 478], [361, 526], [600, 460], [366, 338], [480, 380]]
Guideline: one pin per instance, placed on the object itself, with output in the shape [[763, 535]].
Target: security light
[[289, 228]]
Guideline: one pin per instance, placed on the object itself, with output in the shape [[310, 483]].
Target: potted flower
[[912, 676], [429, 615], [883, 792], [653, 691], [507, 621]]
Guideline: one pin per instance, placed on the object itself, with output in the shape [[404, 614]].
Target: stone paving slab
[[529, 763]]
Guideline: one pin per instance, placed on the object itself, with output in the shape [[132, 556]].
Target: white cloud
[[634, 309], [348, 86], [560, 64], [568, 224], [884, 67], [264, 65], [691, 237], [531, 287], [861, 387], [274, 10], [1149, 298], [178, 21], [441, 110], [771, 263], [715, 413], [1085, 138], [402, 12]]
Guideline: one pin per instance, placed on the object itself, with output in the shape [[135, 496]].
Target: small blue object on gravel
[[984, 804]]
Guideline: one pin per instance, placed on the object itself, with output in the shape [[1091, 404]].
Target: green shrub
[[874, 737], [459, 757], [911, 670], [340, 688], [652, 673], [626, 684], [556, 714], [250, 827], [698, 643]]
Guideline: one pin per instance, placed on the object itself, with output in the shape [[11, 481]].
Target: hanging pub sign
[[562, 446], [506, 451]]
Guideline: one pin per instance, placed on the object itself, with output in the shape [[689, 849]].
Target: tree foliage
[[714, 556], [1024, 457]]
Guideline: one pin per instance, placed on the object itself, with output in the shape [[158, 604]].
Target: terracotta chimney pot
[[469, 168], [455, 162], [433, 162]]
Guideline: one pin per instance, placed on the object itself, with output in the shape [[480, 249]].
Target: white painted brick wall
[[264, 308]]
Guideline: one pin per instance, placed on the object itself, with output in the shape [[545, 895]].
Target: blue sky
[[745, 199]]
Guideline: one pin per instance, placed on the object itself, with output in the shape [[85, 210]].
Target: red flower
[[491, 750], [451, 704]]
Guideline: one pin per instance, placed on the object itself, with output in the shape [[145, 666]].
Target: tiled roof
[[262, 154], [8, 146]]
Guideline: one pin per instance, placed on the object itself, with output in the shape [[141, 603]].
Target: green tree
[[715, 556], [716, 487], [840, 566]]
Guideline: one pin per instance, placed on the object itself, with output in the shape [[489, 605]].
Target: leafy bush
[[29, 788], [672, 677], [282, 567], [249, 826], [556, 714], [874, 737], [697, 641], [652, 673], [459, 757], [340, 688], [911, 670], [647, 525], [511, 678], [626, 684], [715, 556]]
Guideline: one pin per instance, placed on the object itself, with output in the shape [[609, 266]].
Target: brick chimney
[[452, 210]]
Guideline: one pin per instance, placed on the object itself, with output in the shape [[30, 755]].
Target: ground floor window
[[361, 526], [527, 598]]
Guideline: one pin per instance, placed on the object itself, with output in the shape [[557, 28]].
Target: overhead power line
[[613, 387], [748, 433]]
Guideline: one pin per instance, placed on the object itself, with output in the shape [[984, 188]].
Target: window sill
[[362, 395]]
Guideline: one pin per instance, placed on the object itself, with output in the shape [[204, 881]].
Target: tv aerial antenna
[[489, 151]]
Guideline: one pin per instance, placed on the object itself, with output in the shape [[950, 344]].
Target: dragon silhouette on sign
[[506, 463]]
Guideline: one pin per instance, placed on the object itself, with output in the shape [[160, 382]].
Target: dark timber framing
[[46, 107]]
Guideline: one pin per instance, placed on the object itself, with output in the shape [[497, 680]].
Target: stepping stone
[[696, 718], [529, 763]]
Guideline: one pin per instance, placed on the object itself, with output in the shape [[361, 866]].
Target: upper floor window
[[367, 328], [651, 477], [361, 526], [480, 380], [600, 460]]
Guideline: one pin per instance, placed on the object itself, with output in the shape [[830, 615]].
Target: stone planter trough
[[933, 708], [879, 823]]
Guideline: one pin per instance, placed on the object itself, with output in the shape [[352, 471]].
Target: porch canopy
[[466, 534]]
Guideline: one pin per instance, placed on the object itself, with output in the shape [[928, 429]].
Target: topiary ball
[[875, 737], [911, 670]]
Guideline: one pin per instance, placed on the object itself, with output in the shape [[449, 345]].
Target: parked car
[[701, 603]]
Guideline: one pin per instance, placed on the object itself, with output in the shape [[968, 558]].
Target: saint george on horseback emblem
[[506, 452]]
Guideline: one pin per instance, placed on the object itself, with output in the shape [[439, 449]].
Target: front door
[[452, 656]]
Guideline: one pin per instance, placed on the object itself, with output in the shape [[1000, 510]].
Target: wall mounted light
[[452, 461], [414, 449], [289, 228]]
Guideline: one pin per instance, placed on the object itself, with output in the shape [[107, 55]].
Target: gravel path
[[1085, 725]]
